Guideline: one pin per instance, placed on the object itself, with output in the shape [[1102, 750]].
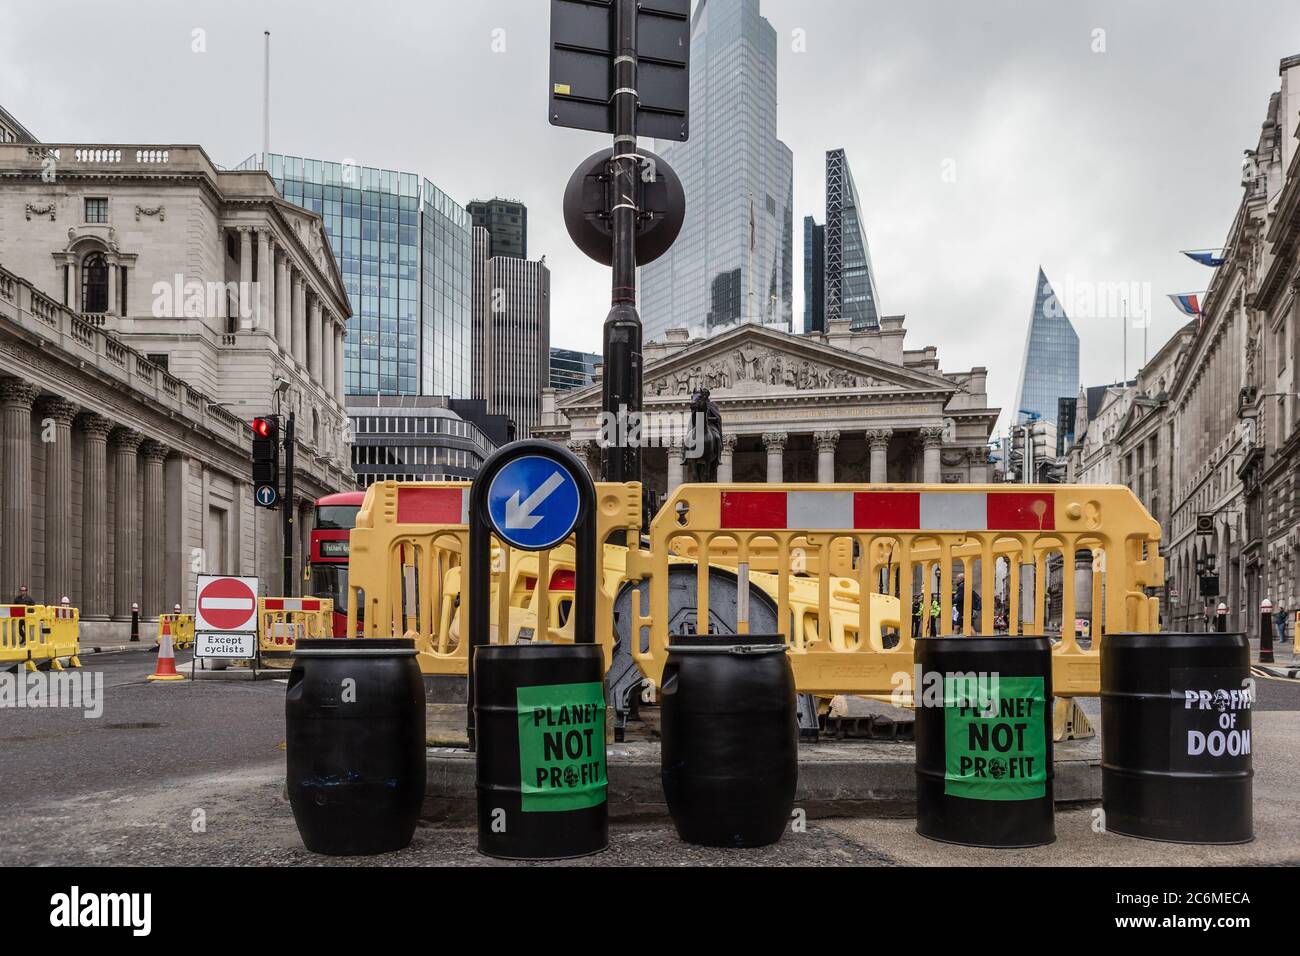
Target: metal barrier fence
[[34, 635], [813, 550], [283, 621]]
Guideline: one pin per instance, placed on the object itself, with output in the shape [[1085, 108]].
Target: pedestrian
[[23, 598], [916, 617], [934, 616], [1279, 622]]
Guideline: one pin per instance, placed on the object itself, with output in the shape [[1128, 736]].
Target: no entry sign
[[225, 604]]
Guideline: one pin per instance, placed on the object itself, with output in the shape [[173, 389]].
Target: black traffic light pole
[[621, 382], [286, 506]]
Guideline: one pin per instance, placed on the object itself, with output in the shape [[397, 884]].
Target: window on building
[[94, 283], [159, 359], [97, 210]]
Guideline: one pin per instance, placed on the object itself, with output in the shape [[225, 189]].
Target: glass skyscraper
[[1050, 370], [814, 276], [734, 259], [850, 279], [403, 248]]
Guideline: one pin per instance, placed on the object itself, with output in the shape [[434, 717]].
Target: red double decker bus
[[335, 517]]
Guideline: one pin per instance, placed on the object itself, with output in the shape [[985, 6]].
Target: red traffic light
[[261, 427]]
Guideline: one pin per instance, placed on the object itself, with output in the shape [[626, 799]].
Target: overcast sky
[[985, 136]]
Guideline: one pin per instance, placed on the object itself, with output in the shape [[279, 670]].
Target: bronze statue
[[703, 469]]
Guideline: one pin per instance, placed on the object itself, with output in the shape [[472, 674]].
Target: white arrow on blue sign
[[267, 495], [533, 503]]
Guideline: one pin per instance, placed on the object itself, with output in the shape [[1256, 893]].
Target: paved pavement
[[126, 788]]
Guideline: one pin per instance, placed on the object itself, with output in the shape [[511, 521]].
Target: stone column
[[314, 329], [826, 442], [931, 440], [583, 450], [114, 307], [282, 318], [726, 460], [878, 441], [59, 413], [155, 530], [126, 527], [94, 517], [16, 398], [339, 389], [263, 313], [246, 308], [327, 353], [299, 318], [69, 289], [774, 442], [676, 463]]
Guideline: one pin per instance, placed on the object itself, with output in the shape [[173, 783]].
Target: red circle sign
[[228, 604]]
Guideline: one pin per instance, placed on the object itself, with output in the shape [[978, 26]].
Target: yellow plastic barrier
[[900, 534], [406, 562], [61, 630], [283, 621], [181, 628], [21, 637]]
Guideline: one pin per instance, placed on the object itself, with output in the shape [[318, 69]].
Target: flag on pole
[[1188, 303], [1206, 257]]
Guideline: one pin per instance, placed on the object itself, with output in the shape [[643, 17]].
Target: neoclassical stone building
[[150, 306], [839, 406]]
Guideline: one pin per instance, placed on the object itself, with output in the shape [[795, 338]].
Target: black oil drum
[[730, 758], [540, 715], [354, 717], [1175, 737], [984, 741]]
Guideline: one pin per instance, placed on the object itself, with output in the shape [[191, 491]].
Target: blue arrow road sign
[[533, 503], [267, 495]]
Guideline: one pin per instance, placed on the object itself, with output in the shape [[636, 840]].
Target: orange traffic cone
[[166, 669]]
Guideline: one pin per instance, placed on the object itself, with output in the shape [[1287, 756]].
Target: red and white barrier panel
[[292, 604], [14, 610], [442, 506], [888, 511], [64, 613]]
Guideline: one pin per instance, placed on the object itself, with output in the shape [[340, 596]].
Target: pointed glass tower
[[850, 280], [1050, 370]]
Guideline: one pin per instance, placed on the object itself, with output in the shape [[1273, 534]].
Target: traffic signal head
[[266, 451]]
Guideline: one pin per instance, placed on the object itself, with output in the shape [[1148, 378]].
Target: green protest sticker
[[561, 747], [996, 745]]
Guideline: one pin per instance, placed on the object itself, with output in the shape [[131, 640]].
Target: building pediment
[[308, 231], [753, 361]]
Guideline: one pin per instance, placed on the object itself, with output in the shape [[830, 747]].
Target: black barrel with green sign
[[984, 741], [355, 744], [1176, 737], [730, 754], [540, 715]]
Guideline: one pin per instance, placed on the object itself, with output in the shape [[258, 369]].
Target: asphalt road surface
[[193, 774]]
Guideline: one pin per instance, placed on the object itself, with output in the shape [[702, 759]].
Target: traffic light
[[266, 461]]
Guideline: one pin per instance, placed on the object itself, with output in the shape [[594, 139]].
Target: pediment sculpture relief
[[763, 368]]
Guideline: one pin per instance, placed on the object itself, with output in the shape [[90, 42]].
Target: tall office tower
[[1050, 370], [403, 249], [850, 281], [516, 320], [570, 369], [480, 298], [734, 259], [814, 276], [506, 222]]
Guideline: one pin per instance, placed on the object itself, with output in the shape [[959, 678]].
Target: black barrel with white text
[[984, 773], [730, 749], [354, 720], [1176, 737]]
